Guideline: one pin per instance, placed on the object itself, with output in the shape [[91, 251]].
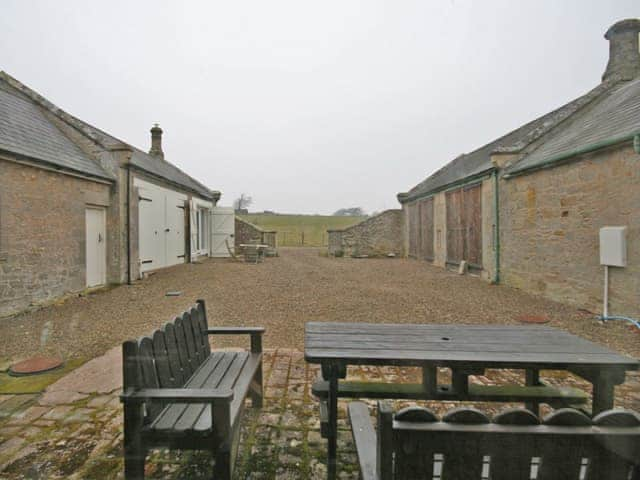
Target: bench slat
[[227, 380], [183, 352], [241, 387], [172, 352], [364, 437], [191, 414], [173, 412]]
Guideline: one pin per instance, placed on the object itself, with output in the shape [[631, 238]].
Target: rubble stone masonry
[[549, 225], [376, 236], [42, 233]]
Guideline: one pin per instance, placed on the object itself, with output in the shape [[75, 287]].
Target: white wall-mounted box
[[613, 246]]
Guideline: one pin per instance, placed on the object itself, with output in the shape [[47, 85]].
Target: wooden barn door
[[464, 225], [426, 228], [472, 204], [455, 227]]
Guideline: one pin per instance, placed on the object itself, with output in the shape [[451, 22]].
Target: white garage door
[[161, 226]]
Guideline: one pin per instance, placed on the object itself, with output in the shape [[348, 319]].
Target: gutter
[[449, 186], [566, 156]]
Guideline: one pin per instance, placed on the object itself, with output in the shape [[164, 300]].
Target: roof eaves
[[40, 163], [405, 197], [565, 157]]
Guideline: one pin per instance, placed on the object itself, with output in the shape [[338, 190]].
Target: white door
[[174, 231], [96, 247], [161, 223], [223, 223]]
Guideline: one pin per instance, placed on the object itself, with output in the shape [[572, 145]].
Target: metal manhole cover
[[35, 365], [534, 319]]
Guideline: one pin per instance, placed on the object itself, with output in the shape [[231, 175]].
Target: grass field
[[301, 230]]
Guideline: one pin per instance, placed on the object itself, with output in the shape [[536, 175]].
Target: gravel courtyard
[[74, 429], [282, 294]]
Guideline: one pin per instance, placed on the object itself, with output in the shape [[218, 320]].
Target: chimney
[[624, 53], [156, 142]]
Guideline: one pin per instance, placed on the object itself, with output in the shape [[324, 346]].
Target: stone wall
[[376, 236], [247, 232], [549, 225], [42, 234]]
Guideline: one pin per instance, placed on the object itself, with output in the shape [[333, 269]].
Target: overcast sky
[[309, 106]]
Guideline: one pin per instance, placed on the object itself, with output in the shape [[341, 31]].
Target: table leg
[[332, 439], [532, 379], [603, 393], [430, 381]]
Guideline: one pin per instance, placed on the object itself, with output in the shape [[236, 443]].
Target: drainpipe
[[496, 235], [128, 166]]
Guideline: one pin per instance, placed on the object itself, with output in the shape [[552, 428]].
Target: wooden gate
[[464, 225], [426, 229]]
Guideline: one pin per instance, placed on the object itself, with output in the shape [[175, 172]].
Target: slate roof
[[615, 115], [25, 131], [139, 159], [479, 161]]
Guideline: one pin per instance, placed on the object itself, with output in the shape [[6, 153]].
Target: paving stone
[[99, 401], [57, 413], [7, 432], [15, 403], [28, 415], [79, 415], [11, 445], [61, 397]]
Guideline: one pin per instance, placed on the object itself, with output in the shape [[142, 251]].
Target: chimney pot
[[624, 51], [156, 142]]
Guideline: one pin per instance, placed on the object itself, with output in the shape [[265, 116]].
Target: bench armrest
[[255, 332], [235, 330], [181, 395]]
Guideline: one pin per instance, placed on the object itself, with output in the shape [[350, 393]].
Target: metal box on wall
[[613, 246]]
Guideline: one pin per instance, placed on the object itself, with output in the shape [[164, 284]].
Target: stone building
[[80, 208], [526, 209]]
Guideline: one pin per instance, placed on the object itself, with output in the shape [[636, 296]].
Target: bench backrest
[[567, 445], [168, 357]]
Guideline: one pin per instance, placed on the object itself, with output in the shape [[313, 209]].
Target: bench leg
[[223, 469], [257, 389], [134, 451], [532, 379], [134, 464]]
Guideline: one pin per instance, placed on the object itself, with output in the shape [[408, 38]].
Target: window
[[202, 224]]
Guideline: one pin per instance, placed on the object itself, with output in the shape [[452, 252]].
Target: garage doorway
[[96, 246]]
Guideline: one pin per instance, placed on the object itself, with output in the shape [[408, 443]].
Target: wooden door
[[472, 205], [96, 251], [464, 225], [455, 227], [426, 229]]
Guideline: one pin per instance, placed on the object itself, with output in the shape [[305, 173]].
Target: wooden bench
[[179, 394], [466, 445], [531, 395]]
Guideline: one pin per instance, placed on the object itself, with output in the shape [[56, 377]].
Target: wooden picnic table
[[465, 349]]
